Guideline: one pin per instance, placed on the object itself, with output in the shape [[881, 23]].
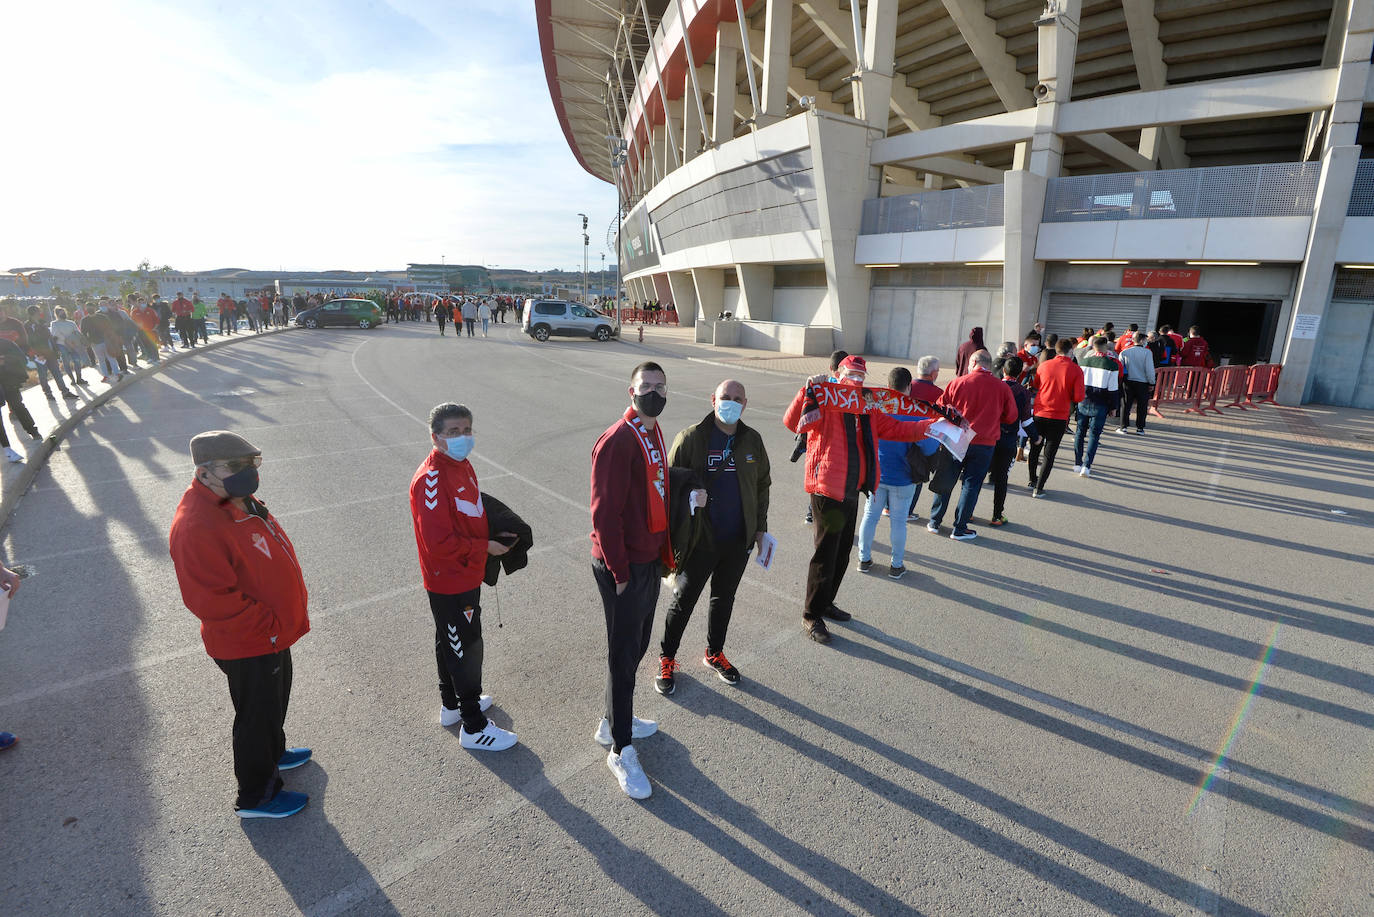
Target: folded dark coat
[[500, 518]]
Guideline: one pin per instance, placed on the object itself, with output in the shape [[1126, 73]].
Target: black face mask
[[650, 404], [242, 483]]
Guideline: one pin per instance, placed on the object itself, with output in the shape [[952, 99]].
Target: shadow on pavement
[[306, 852], [633, 870]]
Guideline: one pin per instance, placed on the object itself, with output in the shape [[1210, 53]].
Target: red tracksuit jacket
[[451, 530], [238, 573]]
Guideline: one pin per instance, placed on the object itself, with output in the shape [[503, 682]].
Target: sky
[[308, 135]]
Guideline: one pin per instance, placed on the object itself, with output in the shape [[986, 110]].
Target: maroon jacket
[[620, 512], [968, 349]]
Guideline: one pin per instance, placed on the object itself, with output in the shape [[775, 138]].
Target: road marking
[[1215, 479]]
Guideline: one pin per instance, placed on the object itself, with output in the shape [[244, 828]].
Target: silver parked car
[[547, 317]]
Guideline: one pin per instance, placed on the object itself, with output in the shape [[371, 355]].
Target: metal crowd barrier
[[1179, 385], [1199, 389], [1264, 382]]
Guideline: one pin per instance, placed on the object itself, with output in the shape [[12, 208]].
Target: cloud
[[315, 135]]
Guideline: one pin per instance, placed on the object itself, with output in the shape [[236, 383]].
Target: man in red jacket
[[841, 463], [1058, 385], [630, 549], [1194, 351], [986, 403], [454, 541], [238, 573]]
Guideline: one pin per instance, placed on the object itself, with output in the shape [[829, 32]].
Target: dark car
[[356, 313]]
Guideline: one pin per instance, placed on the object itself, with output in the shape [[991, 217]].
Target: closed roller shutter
[[1070, 313]]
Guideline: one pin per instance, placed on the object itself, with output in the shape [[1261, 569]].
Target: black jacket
[[500, 518]]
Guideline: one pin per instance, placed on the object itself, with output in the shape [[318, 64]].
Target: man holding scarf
[[630, 548], [843, 421]]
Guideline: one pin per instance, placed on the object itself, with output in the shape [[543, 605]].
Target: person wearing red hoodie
[[968, 349], [986, 403], [841, 463], [454, 541], [1194, 351], [239, 575], [1058, 386]]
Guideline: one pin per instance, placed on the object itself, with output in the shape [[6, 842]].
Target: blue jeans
[[973, 470], [897, 501], [1092, 417]]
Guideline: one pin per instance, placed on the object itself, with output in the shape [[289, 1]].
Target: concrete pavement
[[1150, 694]]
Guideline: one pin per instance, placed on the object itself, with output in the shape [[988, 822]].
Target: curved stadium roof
[[955, 60]]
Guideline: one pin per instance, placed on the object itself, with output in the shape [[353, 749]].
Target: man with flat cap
[[238, 573]]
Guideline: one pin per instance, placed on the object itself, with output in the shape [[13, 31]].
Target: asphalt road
[[1026, 724]]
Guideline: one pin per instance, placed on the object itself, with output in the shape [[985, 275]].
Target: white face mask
[[729, 411]]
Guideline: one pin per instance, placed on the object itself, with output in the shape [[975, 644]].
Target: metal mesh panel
[[1354, 285], [958, 208], [763, 198], [1362, 195], [1272, 189]]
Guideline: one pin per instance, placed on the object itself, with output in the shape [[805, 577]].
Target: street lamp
[[620, 154], [585, 242]]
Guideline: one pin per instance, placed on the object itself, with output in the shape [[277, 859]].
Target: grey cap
[[219, 446]]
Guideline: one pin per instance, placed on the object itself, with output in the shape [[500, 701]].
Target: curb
[[15, 488]]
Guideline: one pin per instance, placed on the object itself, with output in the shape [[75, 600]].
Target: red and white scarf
[[655, 469]]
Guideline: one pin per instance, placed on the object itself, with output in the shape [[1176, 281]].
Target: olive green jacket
[[751, 465]]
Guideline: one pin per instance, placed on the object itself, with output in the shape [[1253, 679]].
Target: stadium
[[801, 175]]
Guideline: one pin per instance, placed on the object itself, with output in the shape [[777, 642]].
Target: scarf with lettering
[[655, 469], [856, 403]]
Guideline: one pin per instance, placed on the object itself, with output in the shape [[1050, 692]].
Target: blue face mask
[[728, 411], [458, 447]]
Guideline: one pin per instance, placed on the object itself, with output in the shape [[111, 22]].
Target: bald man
[[729, 456]]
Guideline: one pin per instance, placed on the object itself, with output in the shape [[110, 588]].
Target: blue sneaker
[[293, 757], [284, 804], [7, 740]]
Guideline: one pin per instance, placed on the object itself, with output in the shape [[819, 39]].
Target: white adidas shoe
[[639, 729], [492, 738], [449, 717], [628, 771], [12, 455]]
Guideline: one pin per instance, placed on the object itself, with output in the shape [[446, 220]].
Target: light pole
[[619, 156], [601, 277], [585, 242]]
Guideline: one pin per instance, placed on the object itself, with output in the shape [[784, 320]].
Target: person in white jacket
[[484, 313]]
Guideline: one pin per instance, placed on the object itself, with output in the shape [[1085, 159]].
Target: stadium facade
[[884, 175]]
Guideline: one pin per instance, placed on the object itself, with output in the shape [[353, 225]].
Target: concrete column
[[1058, 36], [777, 61], [683, 297], [874, 90], [844, 180], [709, 284], [723, 89], [691, 129], [673, 113], [1318, 269], [1354, 67], [755, 292], [1023, 277]]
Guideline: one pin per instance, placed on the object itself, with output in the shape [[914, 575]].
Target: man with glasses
[[239, 575], [630, 548]]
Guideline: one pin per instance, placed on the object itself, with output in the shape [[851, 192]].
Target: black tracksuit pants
[[458, 654], [1051, 432], [834, 536], [260, 687], [724, 565], [629, 628]]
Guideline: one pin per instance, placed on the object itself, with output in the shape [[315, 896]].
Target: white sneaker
[[12, 455], [639, 729], [628, 771], [449, 717], [492, 738], [1086, 471], [1077, 469]]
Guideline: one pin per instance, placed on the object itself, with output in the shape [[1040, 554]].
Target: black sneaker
[[835, 613], [896, 572], [808, 516], [865, 566], [728, 673], [818, 631], [663, 684]]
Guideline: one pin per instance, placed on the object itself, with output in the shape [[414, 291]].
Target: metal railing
[[1362, 194], [958, 208], [1267, 190]]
